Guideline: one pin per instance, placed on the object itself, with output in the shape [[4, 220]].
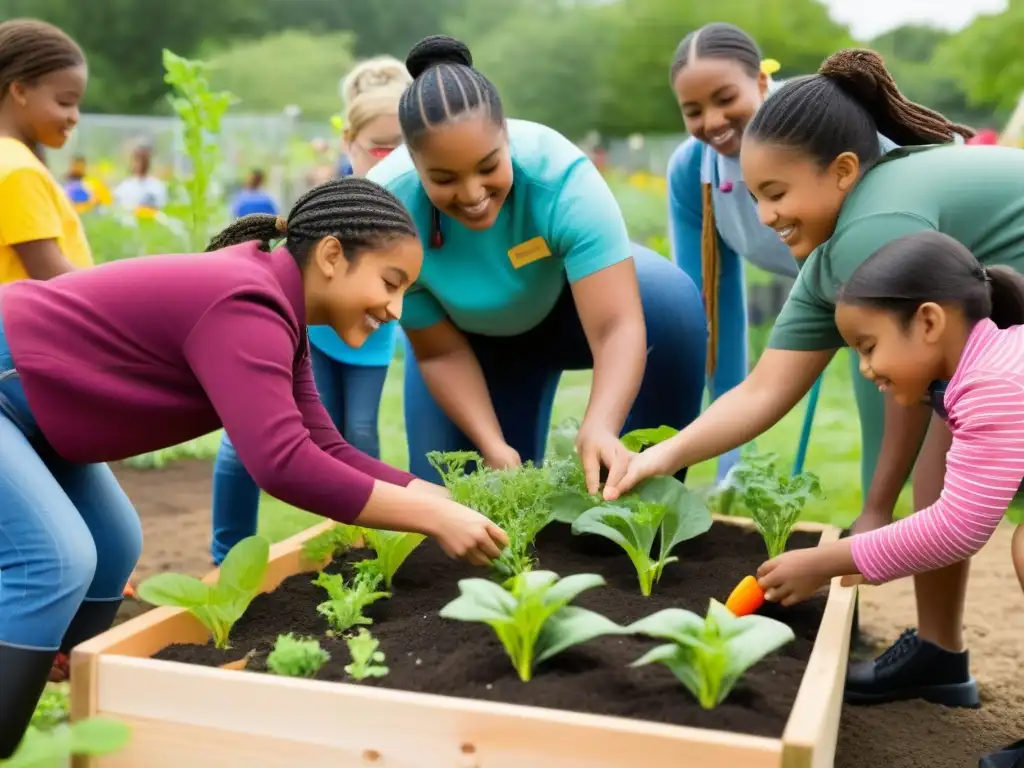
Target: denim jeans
[[522, 372], [350, 393], [68, 533]]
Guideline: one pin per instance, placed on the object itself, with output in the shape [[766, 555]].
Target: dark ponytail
[[843, 108], [932, 267], [445, 87], [356, 211]]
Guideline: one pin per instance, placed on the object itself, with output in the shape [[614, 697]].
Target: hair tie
[[281, 225], [770, 66]]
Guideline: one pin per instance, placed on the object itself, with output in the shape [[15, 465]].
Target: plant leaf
[[675, 624], [642, 438], [567, 589], [571, 626], [392, 549], [759, 636], [99, 736], [480, 600], [175, 590], [687, 515], [567, 506], [244, 566]]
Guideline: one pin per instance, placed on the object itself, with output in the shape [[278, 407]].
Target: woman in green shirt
[[811, 159]]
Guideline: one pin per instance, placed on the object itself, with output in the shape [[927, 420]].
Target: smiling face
[[718, 97], [902, 360], [374, 141], [47, 108], [795, 196], [356, 297], [466, 169]]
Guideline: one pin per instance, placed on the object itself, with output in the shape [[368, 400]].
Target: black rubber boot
[[23, 675], [1007, 757], [912, 668], [92, 618]]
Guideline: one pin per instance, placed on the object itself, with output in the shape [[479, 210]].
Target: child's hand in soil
[[467, 535], [792, 577]]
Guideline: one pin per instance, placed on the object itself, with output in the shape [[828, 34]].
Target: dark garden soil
[[429, 654]]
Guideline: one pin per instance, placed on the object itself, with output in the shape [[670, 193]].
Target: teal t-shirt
[[378, 350], [560, 222]]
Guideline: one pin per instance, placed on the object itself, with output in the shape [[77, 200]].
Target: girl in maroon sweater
[[132, 356]]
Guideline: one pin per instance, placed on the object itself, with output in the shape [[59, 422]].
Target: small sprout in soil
[[217, 606], [775, 502], [710, 655], [294, 657], [367, 660], [392, 549], [322, 548], [344, 609], [532, 617], [662, 509]]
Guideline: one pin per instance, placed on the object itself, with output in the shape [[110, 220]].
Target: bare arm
[[455, 380], [608, 303], [42, 259]]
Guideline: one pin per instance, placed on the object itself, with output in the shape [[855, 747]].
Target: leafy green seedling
[[325, 545], [295, 657], [54, 706], [392, 549], [775, 502], [710, 655], [54, 747], [663, 509], [367, 660], [750, 466], [532, 618], [344, 608], [218, 606], [639, 439]]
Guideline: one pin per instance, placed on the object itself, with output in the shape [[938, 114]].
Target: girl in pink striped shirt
[[930, 323]]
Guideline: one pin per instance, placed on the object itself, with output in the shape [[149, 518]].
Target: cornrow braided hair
[[356, 211], [843, 108], [445, 87], [718, 40], [31, 49]]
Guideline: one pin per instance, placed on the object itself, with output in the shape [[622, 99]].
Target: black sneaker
[[912, 668], [1007, 757]]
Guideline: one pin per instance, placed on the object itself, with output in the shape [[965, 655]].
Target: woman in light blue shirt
[[528, 272], [720, 81]]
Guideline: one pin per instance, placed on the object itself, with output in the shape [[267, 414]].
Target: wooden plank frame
[[184, 715]]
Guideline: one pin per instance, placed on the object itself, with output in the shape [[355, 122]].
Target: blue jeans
[[350, 393], [522, 372], [68, 533]]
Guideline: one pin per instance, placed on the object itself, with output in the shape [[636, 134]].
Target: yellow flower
[[770, 66], [143, 212]]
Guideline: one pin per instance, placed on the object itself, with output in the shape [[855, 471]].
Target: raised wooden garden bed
[[447, 702]]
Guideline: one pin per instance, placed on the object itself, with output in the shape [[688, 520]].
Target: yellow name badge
[[529, 252]]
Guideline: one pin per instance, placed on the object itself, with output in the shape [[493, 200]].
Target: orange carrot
[[746, 598]]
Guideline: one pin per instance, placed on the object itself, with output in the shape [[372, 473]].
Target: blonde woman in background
[[350, 381]]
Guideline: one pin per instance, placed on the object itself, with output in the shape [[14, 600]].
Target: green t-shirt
[[974, 194]]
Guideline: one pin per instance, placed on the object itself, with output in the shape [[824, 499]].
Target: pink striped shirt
[[984, 465]]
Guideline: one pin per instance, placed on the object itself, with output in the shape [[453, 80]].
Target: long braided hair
[[356, 211], [844, 107], [31, 49]]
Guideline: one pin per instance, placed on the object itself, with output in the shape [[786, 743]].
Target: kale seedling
[[709, 655], [367, 660], [663, 509], [294, 657], [392, 549], [532, 617], [775, 502], [218, 606], [344, 608]]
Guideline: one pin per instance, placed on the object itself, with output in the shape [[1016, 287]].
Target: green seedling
[[532, 616], [776, 501], [709, 655], [218, 606], [53, 748], [325, 545], [295, 657], [367, 660], [344, 608], [392, 549]]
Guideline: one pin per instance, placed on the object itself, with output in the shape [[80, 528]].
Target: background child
[[929, 322], [42, 81]]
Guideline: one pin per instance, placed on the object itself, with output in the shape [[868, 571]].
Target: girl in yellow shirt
[[42, 80]]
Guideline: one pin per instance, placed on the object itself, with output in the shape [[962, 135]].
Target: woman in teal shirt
[[528, 272]]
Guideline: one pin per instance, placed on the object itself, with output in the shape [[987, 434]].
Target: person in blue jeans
[[350, 381], [529, 272]]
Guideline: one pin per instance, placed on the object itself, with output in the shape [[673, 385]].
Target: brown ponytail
[[710, 271]]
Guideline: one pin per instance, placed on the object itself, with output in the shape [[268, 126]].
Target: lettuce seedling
[[532, 616], [294, 657], [325, 545], [344, 608], [662, 509], [218, 606], [710, 655], [775, 502], [367, 660], [392, 549]]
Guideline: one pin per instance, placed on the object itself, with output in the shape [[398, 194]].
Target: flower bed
[[452, 698]]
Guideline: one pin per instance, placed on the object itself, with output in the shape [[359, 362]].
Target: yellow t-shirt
[[33, 206]]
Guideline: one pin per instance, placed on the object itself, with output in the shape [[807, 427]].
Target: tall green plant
[[201, 111]]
